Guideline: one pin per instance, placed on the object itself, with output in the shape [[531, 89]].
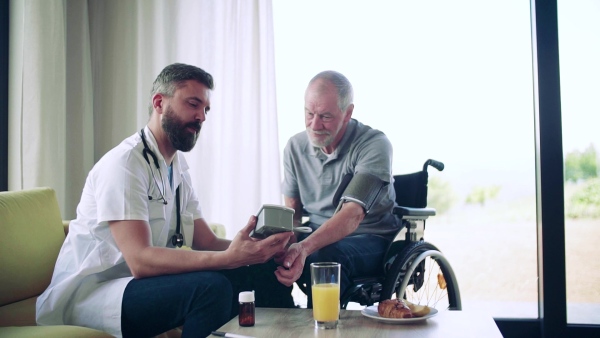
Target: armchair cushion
[[32, 235], [57, 331], [218, 229]]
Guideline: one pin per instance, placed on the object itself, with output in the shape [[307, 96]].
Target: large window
[[448, 80], [579, 43]]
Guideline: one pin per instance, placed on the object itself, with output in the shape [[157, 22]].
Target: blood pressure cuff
[[362, 188]]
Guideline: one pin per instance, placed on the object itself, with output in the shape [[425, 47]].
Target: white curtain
[[80, 76]]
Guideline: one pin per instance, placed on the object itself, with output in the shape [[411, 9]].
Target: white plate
[[372, 312]]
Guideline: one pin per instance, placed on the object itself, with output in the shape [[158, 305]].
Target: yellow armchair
[[31, 234]]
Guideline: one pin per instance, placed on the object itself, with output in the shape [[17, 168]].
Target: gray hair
[[343, 85], [173, 76]]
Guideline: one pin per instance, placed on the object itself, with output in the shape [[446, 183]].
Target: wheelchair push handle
[[436, 164]]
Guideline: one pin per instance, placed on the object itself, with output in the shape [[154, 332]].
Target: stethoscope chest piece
[[177, 240]]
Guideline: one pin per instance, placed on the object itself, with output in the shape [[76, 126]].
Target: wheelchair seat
[[412, 268]]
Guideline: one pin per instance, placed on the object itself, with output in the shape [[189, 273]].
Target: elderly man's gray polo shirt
[[314, 178]]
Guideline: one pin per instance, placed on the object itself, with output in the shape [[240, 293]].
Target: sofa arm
[[218, 229]]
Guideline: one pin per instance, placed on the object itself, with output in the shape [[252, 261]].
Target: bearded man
[[120, 269]]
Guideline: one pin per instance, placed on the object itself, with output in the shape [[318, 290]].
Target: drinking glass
[[325, 277]]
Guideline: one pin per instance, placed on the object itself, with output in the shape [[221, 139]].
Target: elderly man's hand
[[293, 264]]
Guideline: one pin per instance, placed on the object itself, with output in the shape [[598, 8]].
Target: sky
[[448, 80]]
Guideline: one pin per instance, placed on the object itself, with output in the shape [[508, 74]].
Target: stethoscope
[[177, 238]]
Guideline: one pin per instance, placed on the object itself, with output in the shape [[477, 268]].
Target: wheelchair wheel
[[422, 275]]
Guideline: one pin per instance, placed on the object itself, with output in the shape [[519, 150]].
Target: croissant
[[418, 310], [394, 308]]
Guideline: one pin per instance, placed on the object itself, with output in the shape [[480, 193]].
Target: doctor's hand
[[245, 250], [279, 257], [293, 264]]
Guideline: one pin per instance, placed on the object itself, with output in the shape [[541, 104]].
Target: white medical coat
[[90, 275]]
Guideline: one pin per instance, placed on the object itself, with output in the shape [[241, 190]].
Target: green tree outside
[[581, 165], [585, 200], [440, 195], [480, 195], [582, 185]]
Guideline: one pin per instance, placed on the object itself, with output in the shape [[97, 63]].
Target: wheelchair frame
[[409, 255]]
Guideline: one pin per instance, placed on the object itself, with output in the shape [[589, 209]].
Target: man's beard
[[176, 130], [319, 143]]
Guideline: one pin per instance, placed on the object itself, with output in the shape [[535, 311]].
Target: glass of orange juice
[[325, 279]]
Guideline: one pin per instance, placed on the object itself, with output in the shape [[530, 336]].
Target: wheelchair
[[413, 269]]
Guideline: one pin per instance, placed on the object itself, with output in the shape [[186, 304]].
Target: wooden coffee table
[[281, 323]]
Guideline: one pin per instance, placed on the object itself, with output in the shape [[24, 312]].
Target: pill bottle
[[246, 317]]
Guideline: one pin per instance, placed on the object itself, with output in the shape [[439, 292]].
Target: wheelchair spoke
[[430, 292], [431, 281]]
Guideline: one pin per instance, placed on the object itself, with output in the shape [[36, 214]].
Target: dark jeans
[[200, 301], [359, 255]]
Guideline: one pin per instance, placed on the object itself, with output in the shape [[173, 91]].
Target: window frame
[[552, 290]]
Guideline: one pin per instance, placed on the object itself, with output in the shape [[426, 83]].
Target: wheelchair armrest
[[406, 212]]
